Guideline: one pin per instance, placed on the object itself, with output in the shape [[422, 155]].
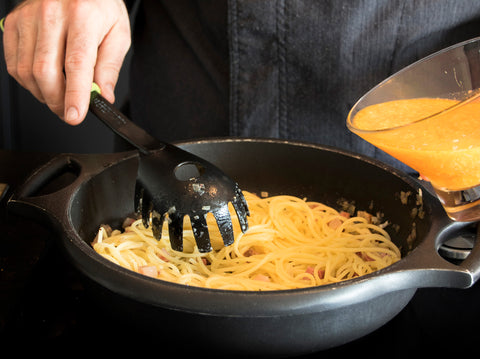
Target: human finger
[[48, 61], [80, 58], [19, 47], [111, 54], [10, 44]]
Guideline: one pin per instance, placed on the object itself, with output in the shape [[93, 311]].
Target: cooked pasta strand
[[291, 243]]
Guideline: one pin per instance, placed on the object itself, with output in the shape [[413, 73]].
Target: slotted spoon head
[[173, 183]]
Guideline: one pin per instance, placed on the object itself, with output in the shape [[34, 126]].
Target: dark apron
[[286, 69]]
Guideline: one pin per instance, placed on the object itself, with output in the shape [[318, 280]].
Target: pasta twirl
[[291, 243]]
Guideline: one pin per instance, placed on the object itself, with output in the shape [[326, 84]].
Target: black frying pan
[[99, 189]]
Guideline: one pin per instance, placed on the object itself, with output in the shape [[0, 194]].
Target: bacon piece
[[128, 222], [262, 278], [108, 229], [365, 215], [367, 258], [335, 223], [311, 270], [150, 271], [163, 258], [321, 273], [364, 256], [250, 252]]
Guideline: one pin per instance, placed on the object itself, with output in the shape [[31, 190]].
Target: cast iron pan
[[99, 189]]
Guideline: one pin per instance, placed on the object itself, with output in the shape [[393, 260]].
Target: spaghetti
[[291, 243]]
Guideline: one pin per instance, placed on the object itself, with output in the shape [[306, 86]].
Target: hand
[[56, 49]]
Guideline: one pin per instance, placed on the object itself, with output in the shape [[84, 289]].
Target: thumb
[[111, 54]]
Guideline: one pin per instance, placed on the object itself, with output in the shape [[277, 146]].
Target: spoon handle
[[120, 124]]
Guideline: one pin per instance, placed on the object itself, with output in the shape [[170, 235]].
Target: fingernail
[[110, 87], [110, 90], [72, 115]]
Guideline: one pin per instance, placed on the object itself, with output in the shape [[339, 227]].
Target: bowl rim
[[475, 94]]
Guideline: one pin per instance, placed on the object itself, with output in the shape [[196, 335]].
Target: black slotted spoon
[[173, 183]]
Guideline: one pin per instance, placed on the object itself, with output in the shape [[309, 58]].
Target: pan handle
[[469, 268], [472, 262], [47, 174], [47, 191], [424, 267]]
